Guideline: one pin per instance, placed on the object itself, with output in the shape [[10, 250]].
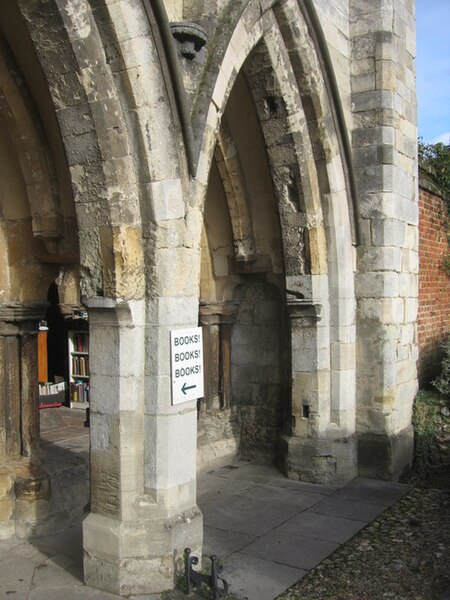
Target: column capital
[[299, 308], [23, 311], [217, 313], [102, 303], [18, 314]]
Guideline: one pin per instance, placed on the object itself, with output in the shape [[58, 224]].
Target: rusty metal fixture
[[194, 578]]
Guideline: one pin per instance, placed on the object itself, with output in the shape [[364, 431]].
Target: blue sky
[[433, 69]]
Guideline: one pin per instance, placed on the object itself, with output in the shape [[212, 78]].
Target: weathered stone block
[[380, 258], [318, 461], [6, 485], [167, 467], [385, 456], [388, 311], [32, 487], [168, 201], [410, 261], [6, 511], [411, 307], [388, 232], [377, 285], [119, 556]]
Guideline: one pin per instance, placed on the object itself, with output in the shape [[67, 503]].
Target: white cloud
[[444, 138]]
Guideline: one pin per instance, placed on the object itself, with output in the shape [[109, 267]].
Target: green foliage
[[434, 161], [434, 164], [446, 263], [442, 383], [425, 421]]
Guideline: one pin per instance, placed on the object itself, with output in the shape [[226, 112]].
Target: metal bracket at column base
[[194, 578]]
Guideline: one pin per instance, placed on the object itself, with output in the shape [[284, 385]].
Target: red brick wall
[[434, 283]]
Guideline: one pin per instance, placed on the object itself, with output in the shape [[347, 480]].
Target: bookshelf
[[78, 351]]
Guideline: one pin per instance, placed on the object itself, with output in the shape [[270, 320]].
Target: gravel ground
[[403, 555]]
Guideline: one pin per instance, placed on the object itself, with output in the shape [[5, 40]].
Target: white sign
[[186, 347]]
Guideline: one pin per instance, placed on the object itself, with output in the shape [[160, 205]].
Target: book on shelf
[[80, 366], [80, 342], [78, 346], [79, 391]]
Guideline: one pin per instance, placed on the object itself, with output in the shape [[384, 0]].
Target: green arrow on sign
[[185, 388]]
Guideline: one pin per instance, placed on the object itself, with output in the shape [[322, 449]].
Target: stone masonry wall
[[434, 283], [257, 368]]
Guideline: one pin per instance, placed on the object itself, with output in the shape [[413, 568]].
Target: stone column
[[211, 349], [30, 391], [217, 436], [217, 319], [20, 391], [317, 447], [306, 452], [10, 442], [384, 151], [225, 351], [22, 483], [143, 485]]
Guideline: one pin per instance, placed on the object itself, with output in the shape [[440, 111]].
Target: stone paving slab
[[223, 543], [340, 506], [241, 514], [74, 592], [291, 550], [15, 576], [250, 472], [313, 525], [259, 579], [213, 483], [325, 489], [373, 490], [297, 499]]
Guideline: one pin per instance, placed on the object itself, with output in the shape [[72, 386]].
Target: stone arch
[[90, 121], [226, 410], [227, 161], [308, 172], [30, 204], [32, 152]]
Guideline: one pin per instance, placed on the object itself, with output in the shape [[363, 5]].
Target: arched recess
[[278, 55], [242, 284]]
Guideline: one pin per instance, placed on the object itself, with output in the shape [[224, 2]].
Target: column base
[[386, 456], [319, 460], [24, 499], [142, 556]]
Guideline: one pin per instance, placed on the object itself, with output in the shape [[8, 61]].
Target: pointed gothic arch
[[290, 93]]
